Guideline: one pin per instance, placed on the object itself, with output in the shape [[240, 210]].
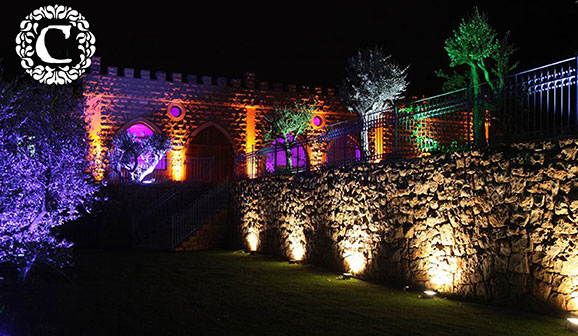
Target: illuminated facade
[[209, 121]]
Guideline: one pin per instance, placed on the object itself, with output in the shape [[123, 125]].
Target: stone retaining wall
[[500, 225]]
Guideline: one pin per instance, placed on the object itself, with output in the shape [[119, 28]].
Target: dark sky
[[303, 42]]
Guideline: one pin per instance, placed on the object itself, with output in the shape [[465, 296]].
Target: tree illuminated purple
[[44, 178]]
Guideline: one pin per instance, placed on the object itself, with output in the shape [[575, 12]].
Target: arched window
[[342, 150], [278, 158], [141, 130]]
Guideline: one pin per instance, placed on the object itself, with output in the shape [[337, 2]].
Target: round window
[[176, 112], [318, 121]]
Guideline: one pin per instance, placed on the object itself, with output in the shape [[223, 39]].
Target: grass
[[125, 292]]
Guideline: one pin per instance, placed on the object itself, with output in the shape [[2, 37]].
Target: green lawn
[[127, 292]]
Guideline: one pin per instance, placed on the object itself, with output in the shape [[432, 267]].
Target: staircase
[[178, 216]]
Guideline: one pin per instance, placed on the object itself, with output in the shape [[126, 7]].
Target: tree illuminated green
[[289, 123], [472, 44], [476, 45]]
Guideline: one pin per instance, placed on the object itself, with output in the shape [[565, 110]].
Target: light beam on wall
[[250, 140], [297, 251], [355, 262], [252, 241], [379, 142], [177, 159], [94, 126]]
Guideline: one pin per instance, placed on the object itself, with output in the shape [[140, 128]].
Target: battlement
[[248, 82]]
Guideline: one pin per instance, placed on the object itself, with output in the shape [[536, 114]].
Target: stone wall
[[500, 225]]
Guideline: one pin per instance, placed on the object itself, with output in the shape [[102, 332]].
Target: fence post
[[395, 129], [275, 156], [576, 83]]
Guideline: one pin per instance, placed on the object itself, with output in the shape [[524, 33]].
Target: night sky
[[301, 42]]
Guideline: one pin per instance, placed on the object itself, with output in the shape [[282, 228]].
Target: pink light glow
[[298, 157], [140, 130], [317, 121], [176, 111]]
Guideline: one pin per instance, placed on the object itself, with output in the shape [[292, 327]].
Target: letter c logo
[[32, 49], [41, 50]]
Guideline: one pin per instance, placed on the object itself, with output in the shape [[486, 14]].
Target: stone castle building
[[209, 120]]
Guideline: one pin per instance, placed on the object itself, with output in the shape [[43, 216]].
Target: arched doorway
[[209, 155], [342, 150], [142, 128]]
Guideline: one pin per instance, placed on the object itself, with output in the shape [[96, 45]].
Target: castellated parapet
[[117, 98]]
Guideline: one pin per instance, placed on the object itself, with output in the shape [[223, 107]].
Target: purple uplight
[[140, 130], [298, 157]]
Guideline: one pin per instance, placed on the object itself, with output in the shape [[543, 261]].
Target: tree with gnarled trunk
[[289, 123], [373, 83], [138, 155], [476, 44], [44, 173]]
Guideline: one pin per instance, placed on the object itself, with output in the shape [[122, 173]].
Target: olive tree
[[475, 44], [289, 123], [138, 155], [373, 82]]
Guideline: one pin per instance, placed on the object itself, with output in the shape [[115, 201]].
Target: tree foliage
[[289, 123], [476, 44], [44, 178], [138, 155], [373, 82]]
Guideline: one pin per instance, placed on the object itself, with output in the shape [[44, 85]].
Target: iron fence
[[187, 221], [533, 104]]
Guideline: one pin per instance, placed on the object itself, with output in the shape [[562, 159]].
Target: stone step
[[209, 235]]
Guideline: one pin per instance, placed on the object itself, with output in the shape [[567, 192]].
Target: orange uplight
[[178, 164], [379, 142], [250, 140], [94, 127]]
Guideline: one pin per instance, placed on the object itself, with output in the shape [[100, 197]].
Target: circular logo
[[55, 44]]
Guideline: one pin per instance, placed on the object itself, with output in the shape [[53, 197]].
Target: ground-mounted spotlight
[[345, 276], [572, 323], [428, 294], [295, 261]]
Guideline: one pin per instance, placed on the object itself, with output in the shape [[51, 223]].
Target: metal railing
[[157, 217], [199, 169], [187, 221], [529, 105]]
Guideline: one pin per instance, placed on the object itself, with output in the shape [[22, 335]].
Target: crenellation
[[249, 80], [95, 65], [277, 86], [112, 71], [161, 76], [263, 86], [292, 88], [222, 81], [236, 83], [129, 72], [177, 77], [192, 79], [207, 80], [145, 74]]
